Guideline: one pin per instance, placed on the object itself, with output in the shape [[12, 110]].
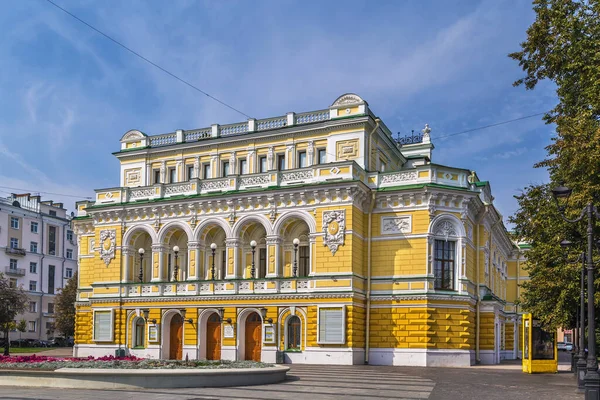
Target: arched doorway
[[175, 337], [253, 331], [213, 337]]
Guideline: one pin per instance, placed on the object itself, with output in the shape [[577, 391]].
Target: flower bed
[[110, 362]]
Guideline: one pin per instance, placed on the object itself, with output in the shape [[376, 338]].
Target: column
[[158, 262], [128, 254], [233, 255], [312, 247], [274, 267], [193, 265]]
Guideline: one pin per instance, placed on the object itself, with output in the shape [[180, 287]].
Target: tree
[[21, 327], [563, 45], [13, 301], [65, 307]]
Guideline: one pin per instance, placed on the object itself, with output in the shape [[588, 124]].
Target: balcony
[[14, 271], [15, 251]]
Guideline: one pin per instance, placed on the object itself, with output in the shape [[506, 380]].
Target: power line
[[490, 126], [38, 191], [147, 60]]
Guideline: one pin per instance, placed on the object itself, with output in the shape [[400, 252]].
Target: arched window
[[139, 333], [446, 255], [293, 333]]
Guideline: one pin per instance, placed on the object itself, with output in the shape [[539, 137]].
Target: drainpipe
[[42, 274], [516, 340], [370, 228]]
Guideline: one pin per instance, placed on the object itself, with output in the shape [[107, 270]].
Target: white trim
[[343, 308], [421, 357]]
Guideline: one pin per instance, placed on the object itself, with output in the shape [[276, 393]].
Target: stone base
[[422, 357]]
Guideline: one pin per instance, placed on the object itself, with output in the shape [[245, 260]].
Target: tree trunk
[[6, 343]]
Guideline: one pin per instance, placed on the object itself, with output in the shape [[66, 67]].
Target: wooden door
[[213, 337], [253, 337], [175, 340]]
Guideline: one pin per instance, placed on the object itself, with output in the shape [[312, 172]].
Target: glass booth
[[540, 354]]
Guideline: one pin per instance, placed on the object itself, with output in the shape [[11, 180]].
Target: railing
[[14, 271], [198, 134], [310, 117], [15, 251], [234, 129], [272, 123], [163, 140]]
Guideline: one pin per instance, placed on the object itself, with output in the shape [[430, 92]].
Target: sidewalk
[[58, 352]]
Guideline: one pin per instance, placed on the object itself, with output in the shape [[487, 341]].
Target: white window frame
[[344, 330], [111, 325], [70, 233], [67, 254], [35, 286], [30, 324], [16, 240], [33, 306], [13, 261], [68, 273], [33, 223], [14, 223], [34, 269], [31, 247]]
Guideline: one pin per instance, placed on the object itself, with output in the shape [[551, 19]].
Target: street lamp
[[176, 269], [141, 251], [253, 269], [296, 242], [580, 362], [592, 378], [213, 247], [146, 313], [263, 314]]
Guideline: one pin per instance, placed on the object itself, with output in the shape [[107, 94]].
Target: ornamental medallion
[[334, 228]]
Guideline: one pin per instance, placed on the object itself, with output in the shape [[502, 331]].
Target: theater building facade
[[311, 237]]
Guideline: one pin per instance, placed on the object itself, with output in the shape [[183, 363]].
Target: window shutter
[[331, 325], [102, 326]]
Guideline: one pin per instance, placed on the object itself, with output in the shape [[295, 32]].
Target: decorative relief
[[286, 285], [141, 193], [273, 214], [334, 228], [178, 189], [146, 289], [204, 287], [219, 287], [168, 289], [347, 99], [182, 287], [91, 245], [270, 157], [215, 185], [392, 225], [255, 180], [231, 218], [334, 171], [302, 285], [469, 231], [260, 285], [296, 176], [399, 177], [446, 229], [310, 151], [245, 286], [108, 241], [132, 290], [347, 149]]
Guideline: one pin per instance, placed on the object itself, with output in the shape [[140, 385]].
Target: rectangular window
[[262, 262], [243, 167], [32, 306], [52, 240], [301, 159], [69, 273], [34, 227], [13, 264], [14, 243], [32, 326], [172, 175], [322, 156], [70, 235], [331, 325], [443, 264], [69, 254], [52, 213], [303, 261], [206, 171], [33, 286], [280, 162], [223, 265], [51, 270], [33, 267], [262, 164], [33, 247], [103, 331], [14, 223], [156, 176], [12, 282], [50, 308], [190, 172], [225, 168]]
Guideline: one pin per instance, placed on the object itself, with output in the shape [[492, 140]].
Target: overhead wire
[[20, 190], [147, 60]]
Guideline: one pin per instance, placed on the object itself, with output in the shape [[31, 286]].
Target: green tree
[[65, 307], [21, 327], [13, 301], [563, 46]]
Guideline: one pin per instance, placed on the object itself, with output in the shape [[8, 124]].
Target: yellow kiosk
[[540, 354]]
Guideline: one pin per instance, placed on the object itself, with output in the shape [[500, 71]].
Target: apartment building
[[38, 251]]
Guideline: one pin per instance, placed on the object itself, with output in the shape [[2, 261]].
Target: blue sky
[[68, 94]]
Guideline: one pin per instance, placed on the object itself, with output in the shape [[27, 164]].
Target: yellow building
[[315, 237]]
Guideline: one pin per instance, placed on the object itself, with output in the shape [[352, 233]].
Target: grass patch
[[28, 350]]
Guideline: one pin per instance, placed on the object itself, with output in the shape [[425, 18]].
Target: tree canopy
[[563, 45], [65, 307], [13, 301]]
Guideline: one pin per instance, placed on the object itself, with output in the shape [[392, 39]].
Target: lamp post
[[253, 269], [213, 248], [141, 251], [580, 362], [592, 378], [176, 269], [296, 242]]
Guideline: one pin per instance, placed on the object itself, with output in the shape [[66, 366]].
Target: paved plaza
[[353, 382]]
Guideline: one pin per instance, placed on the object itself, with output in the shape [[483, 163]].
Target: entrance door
[[213, 337], [253, 337], [175, 343]]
